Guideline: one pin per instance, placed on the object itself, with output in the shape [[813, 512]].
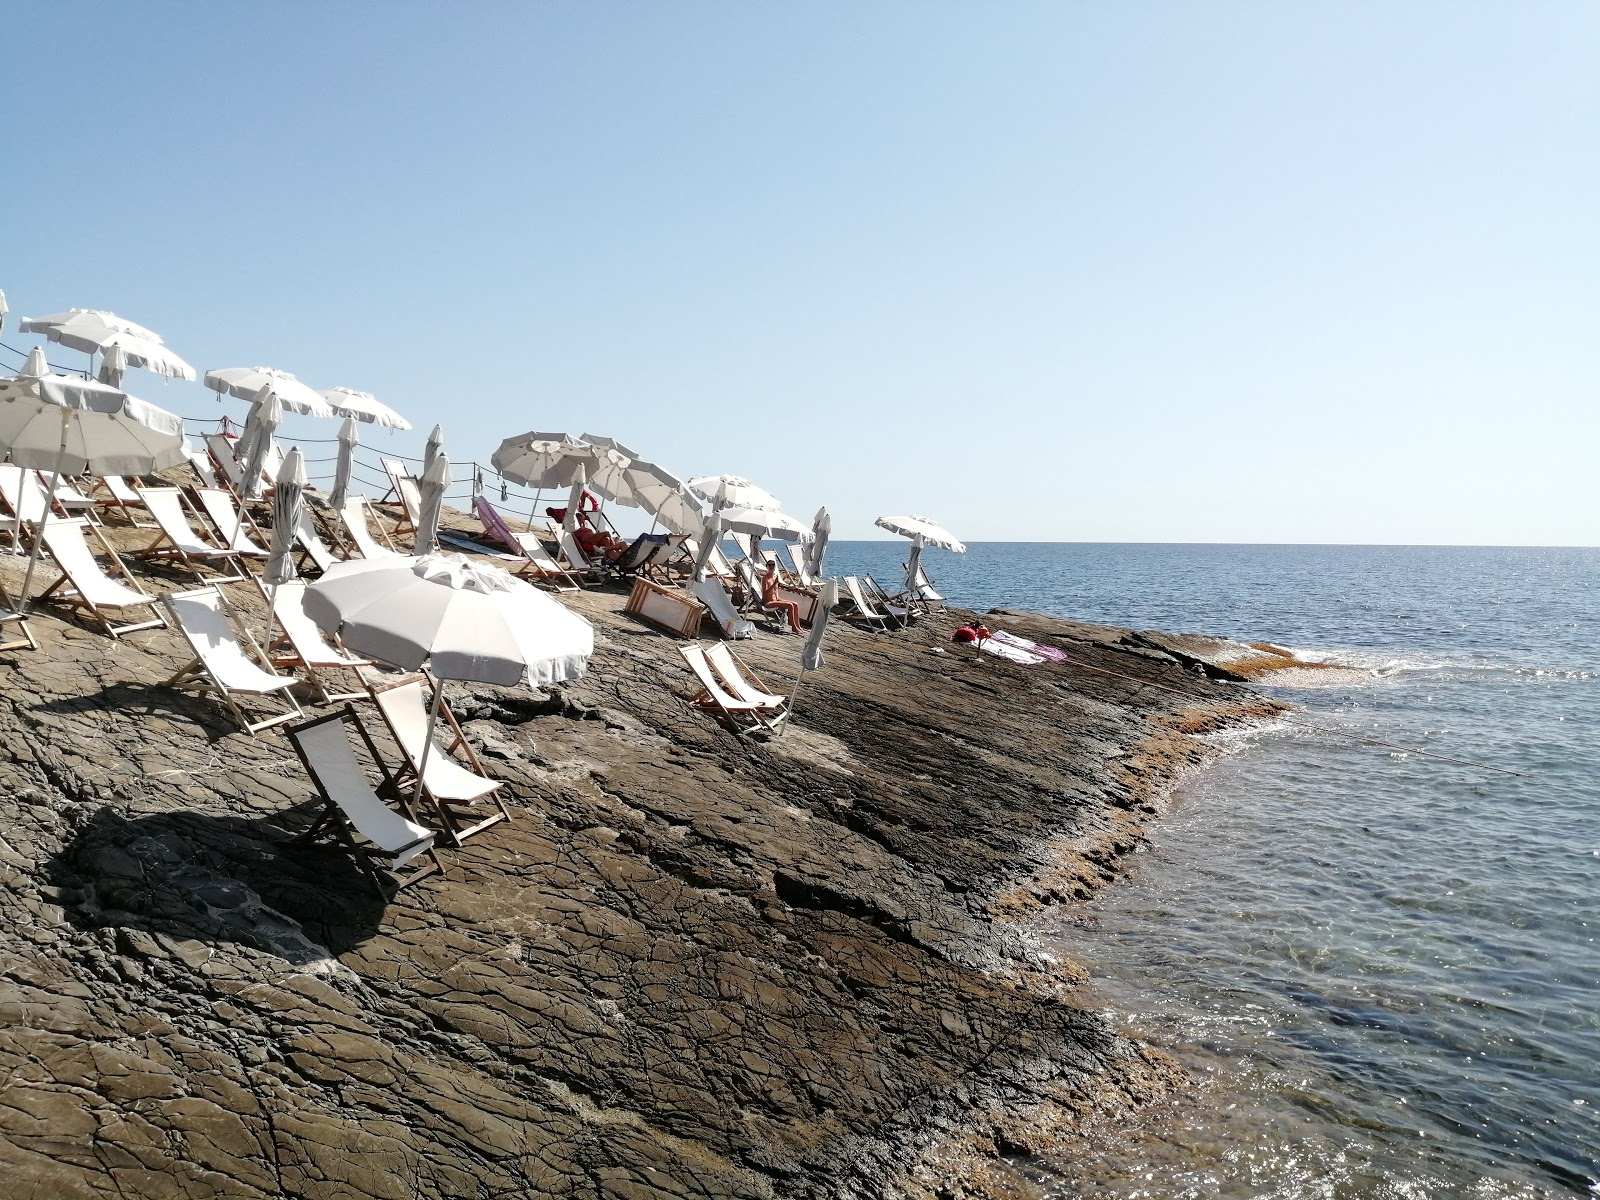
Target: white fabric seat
[[23, 495], [719, 604], [221, 664], [318, 551], [743, 716], [181, 542], [224, 513], [352, 516], [738, 678], [302, 644], [83, 584], [403, 486]]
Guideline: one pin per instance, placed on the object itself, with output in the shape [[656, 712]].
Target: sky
[[1221, 272]]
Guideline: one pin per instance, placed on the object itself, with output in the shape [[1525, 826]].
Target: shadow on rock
[[212, 878], [211, 718]]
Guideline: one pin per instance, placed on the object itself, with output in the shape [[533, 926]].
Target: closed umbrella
[[113, 366], [95, 331], [710, 536], [246, 384], [574, 500], [466, 620], [4, 309], [66, 425], [431, 488], [288, 498], [348, 438], [431, 450], [363, 406], [254, 444], [821, 530], [811, 655], [732, 491]]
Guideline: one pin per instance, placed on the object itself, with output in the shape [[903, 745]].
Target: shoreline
[[684, 968]]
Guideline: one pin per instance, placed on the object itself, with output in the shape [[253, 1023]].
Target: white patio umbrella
[[710, 538], [543, 460], [821, 530], [732, 491], [363, 406], [431, 450], [764, 523], [95, 331], [266, 414], [665, 497], [431, 488], [288, 498], [465, 620], [246, 383], [63, 425], [348, 438], [922, 533]]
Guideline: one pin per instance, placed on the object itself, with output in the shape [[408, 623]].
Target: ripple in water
[[1380, 969]]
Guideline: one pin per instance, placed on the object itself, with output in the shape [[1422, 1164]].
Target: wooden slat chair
[[302, 644], [352, 807], [221, 664], [177, 540], [743, 717], [84, 584], [352, 517], [235, 525], [123, 498]]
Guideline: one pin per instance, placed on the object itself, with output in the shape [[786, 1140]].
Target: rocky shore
[[687, 966]]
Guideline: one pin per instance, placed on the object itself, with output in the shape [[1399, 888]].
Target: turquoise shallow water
[[1381, 969]]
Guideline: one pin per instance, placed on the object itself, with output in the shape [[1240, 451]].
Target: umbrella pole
[[49, 503], [427, 744], [266, 633], [788, 716]]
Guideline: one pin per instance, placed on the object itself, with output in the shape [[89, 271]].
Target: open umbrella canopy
[[764, 523], [931, 532], [363, 406], [544, 460], [246, 383], [732, 491], [467, 620], [95, 331], [50, 422], [665, 497]]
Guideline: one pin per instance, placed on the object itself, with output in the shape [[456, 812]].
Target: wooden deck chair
[[403, 487], [15, 633], [719, 605], [224, 459], [352, 516], [866, 613], [743, 683], [638, 554], [802, 573], [447, 786], [743, 717], [204, 472], [922, 590], [538, 566], [896, 614], [84, 583], [120, 496], [351, 806], [577, 560], [221, 663], [177, 541], [24, 499], [302, 644], [232, 522], [750, 581], [311, 546], [69, 501], [658, 567]]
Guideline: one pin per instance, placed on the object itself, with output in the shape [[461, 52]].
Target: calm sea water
[[1381, 969]]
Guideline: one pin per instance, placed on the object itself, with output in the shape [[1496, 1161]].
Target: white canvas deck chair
[[312, 548], [23, 495], [743, 717], [538, 567], [403, 487], [84, 584], [234, 526], [448, 787], [802, 573], [302, 644], [921, 590], [866, 613], [719, 605], [120, 496], [352, 515], [743, 683], [204, 473], [352, 807], [221, 663], [577, 560], [70, 501], [177, 541], [15, 633], [896, 614]]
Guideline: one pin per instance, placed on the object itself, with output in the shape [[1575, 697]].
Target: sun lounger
[[403, 487], [802, 574], [804, 602], [302, 644], [312, 547], [24, 499], [120, 496], [351, 806], [922, 590], [639, 553], [538, 566], [719, 604], [897, 614], [739, 679], [866, 612], [447, 786], [742, 716], [577, 559], [15, 633], [203, 470], [70, 502], [84, 584], [221, 663], [234, 527], [353, 520], [177, 540]]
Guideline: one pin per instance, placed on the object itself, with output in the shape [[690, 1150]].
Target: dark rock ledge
[[686, 967]]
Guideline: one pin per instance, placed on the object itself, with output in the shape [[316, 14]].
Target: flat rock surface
[[688, 966]]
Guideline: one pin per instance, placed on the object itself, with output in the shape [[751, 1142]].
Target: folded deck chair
[[352, 516], [84, 583], [351, 806], [741, 716], [177, 541], [802, 573], [719, 604], [447, 786], [403, 487], [302, 644], [24, 499], [120, 496], [221, 663], [15, 633], [234, 526], [538, 566], [311, 545]]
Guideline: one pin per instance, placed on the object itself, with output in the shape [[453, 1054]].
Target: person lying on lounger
[[771, 599], [596, 544]]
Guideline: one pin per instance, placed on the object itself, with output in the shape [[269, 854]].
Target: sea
[[1379, 968]]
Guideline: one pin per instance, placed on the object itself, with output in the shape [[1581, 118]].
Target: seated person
[[771, 599], [975, 631]]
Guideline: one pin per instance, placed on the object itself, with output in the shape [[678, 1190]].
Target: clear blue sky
[[1164, 272]]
